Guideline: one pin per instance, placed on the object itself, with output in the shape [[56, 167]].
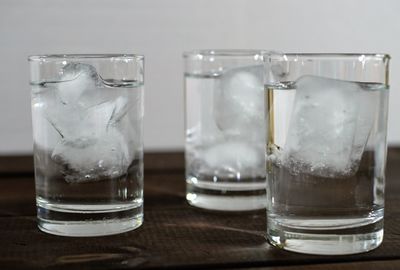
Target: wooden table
[[174, 235]]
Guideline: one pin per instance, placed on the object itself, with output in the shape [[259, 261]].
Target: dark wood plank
[[16, 164], [174, 235]]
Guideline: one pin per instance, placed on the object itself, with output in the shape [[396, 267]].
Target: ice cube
[[91, 158], [96, 120], [76, 78], [83, 104], [92, 147], [239, 102], [63, 100], [329, 127], [235, 159]]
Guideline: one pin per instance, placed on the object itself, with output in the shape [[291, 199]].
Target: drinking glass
[[326, 151], [225, 129], [87, 114]]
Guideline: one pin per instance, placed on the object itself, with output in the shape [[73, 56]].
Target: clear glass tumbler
[[225, 129], [326, 151], [87, 114]]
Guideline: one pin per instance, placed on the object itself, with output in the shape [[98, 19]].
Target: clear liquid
[[321, 211], [224, 170], [110, 198], [89, 202]]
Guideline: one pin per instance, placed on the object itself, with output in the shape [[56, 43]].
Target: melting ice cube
[[329, 127]]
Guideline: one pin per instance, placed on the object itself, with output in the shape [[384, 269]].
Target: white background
[[163, 29]]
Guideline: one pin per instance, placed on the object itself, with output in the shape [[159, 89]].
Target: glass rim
[[224, 52], [346, 55], [84, 56]]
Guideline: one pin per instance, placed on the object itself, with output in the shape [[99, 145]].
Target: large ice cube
[[239, 102], [329, 127]]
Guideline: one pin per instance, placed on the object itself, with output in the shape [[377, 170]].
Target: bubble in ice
[[85, 113], [231, 158], [329, 127], [239, 101]]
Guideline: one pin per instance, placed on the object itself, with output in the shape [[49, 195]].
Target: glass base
[[89, 228], [88, 220], [226, 203], [326, 242], [225, 199]]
